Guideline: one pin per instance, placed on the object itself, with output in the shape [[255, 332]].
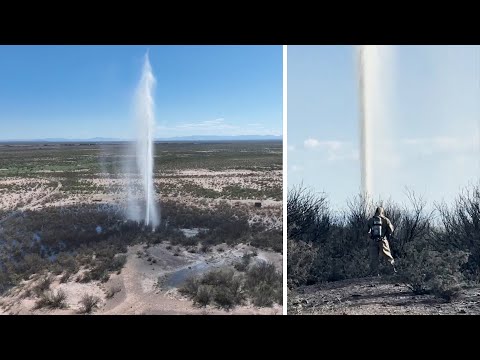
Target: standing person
[[380, 229]]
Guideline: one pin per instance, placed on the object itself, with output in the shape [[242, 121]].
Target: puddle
[[177, 278], [192, 232]]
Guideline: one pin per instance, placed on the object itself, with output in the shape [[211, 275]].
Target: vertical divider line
[[284, 176]]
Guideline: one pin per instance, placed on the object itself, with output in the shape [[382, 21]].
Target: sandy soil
[[212, 180], [376, 296], [137, 286], [22, 194], [30, 196]]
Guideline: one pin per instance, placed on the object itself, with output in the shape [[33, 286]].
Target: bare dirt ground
[[376, 296], [138, 290]]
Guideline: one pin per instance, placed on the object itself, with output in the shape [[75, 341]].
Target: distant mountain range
[[179, 138], [221, 138]]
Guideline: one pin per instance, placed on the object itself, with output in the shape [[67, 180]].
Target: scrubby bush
[[190, 286], [263, 284], [103, 266], [225, 286], [268, 239], [425, 270], [43, 284], [461, 228], [112, 291], [221, 287], [203, 295], [88, 303], [51, 300], [32, 264], [300, 261], [242, 265], [309, 218], [223, 224]]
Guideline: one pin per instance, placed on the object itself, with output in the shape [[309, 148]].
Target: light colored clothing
[[380, 247]]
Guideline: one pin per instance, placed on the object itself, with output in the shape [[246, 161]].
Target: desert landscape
[[68, 247]]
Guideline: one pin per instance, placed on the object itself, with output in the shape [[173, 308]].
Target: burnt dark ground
[[376, 296]]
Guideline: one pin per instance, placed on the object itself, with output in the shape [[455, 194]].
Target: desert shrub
[[413, 223], [204, 248], [308, 215], [225, 224], [263, 284], [190, 286], [43, 284], [112, 291], [204, 295], [51, 300], [103, 266], [177, 237], [269, 239], [88, 303], [226, 287], [242, 265], [5, 281], [118, 263], [342, 251], [461, 228], [65, 263], [32, 264], [221, 287], [300, 261], [425, 270], [65, 277]]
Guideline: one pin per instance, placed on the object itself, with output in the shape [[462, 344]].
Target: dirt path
[[376, 296]]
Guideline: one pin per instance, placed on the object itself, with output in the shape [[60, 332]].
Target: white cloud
[[311, 143], [297, 168], [214, 127], [441, 144], [333, 149]]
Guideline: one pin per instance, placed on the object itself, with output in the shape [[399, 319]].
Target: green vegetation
[[78, 165], [71, 159]]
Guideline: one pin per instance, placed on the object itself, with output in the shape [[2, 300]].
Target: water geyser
[[145, 124]]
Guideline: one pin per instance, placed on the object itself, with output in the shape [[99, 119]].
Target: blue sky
[[87, 91], [428, 139]]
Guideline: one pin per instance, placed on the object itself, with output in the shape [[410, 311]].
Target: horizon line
[[101, 138]]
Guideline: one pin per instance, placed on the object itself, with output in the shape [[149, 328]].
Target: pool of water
[[192, 232], [177, 278]]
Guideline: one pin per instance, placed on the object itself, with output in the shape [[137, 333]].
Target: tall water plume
[[146, 209]]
